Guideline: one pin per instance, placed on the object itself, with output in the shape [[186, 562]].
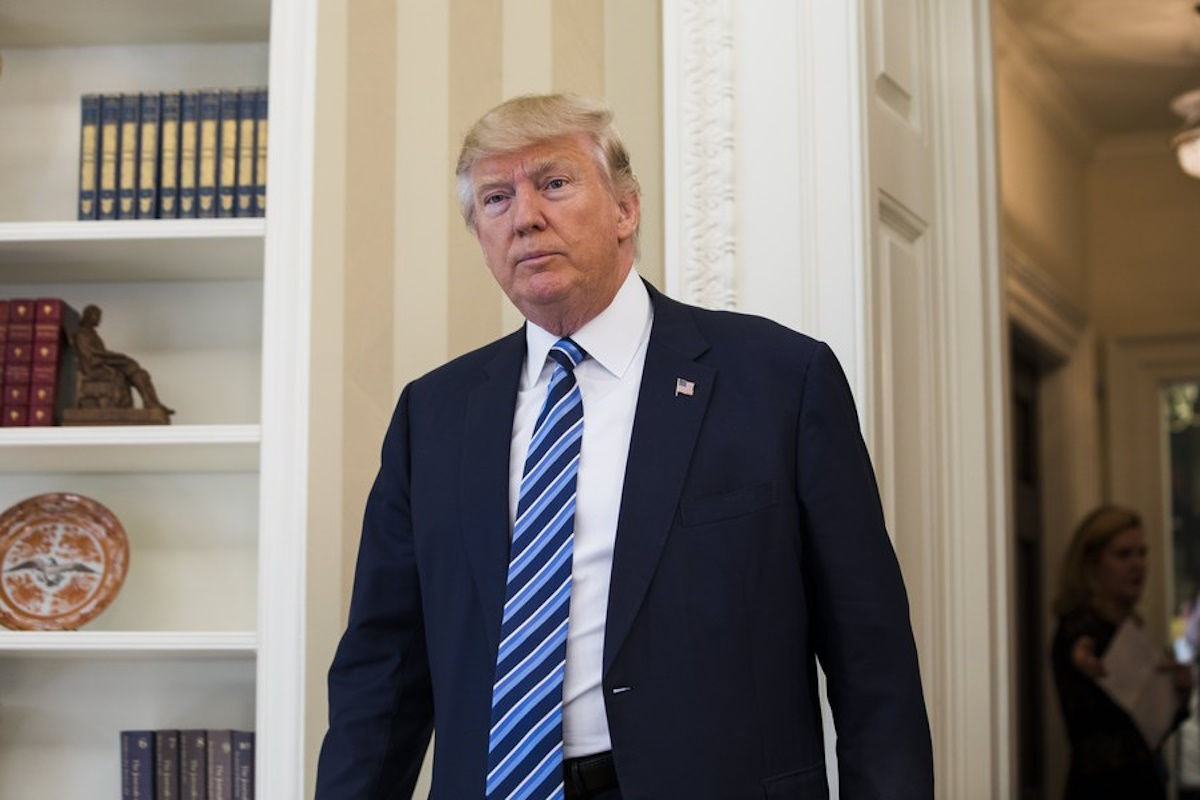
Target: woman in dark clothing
[[1104, 571]]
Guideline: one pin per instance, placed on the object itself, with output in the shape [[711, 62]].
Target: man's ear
[[629, 211]]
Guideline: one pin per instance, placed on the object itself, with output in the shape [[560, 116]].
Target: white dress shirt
[[608, 381]]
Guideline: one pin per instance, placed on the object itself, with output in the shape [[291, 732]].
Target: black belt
[[583, 777]]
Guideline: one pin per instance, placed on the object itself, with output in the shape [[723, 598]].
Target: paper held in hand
[[1137, 685]]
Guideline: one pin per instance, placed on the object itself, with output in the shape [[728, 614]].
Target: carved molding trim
[[700, 154]]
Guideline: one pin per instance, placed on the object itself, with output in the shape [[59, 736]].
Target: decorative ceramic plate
[[63, 557]]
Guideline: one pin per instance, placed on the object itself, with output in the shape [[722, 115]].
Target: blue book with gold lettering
[[260, 149], [127, 163], [189, 147], [245, 152], [89, 154], [168, 156], [149, 130], [110, 153], [243, 765], [208, 121], [227, 154], [137, 765]]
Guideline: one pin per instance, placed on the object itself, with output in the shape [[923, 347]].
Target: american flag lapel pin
[[684, 387]]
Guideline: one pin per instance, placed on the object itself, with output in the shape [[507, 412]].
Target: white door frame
[[1138, 368], [768, 210]]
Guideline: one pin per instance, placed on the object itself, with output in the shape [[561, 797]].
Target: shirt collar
[[611, 339]]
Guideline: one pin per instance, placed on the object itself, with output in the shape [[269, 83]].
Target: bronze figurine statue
[[106, 380]]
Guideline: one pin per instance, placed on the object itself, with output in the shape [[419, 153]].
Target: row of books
[[165, 155], [212, 764], [37, 365]]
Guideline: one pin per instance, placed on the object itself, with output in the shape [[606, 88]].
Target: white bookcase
[[207, 631]]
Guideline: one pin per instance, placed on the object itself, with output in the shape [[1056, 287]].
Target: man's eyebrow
[[537, 170]]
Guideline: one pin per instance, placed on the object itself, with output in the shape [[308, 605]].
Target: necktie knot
[[567, 354]]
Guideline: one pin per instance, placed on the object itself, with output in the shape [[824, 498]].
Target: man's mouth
[[530, 258]]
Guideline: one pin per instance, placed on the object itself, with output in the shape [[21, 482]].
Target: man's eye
[[492, 199], [556, 183]]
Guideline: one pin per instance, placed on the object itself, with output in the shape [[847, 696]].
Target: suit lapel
[[484, 467], [664, 434]]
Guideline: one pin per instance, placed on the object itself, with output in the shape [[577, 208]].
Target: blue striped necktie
[[525, 744]]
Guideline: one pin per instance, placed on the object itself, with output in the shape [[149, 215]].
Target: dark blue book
[[127, 159], [168, 155], [193, 765], [110, 153], [260, 149], [137, 765], [207, 125], [227, 154], [189, 149], [149, 132], [245, 154], [89, 154], [220, 765], [243, 765], [166, 761]]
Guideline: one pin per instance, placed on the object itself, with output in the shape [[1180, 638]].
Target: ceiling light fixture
[[1187, 141]]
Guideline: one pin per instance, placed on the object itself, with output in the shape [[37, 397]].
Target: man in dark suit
[[713, 532]]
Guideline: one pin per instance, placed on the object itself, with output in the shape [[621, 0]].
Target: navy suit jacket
[[750, 543]]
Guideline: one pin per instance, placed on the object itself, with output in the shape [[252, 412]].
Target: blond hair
[[534, 119], [1092, 535]]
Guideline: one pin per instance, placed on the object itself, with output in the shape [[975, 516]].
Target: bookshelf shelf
[[122, 645], [132, 250], [169, 448]]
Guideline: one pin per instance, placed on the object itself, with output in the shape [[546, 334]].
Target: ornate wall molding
[[700, 219]]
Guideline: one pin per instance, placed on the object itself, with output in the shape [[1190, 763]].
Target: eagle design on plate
[[62, 559]]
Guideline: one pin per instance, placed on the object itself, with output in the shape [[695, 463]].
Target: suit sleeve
[[857, 599], [380, 696]]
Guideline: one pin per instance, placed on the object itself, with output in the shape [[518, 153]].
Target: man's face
[[556, 240]]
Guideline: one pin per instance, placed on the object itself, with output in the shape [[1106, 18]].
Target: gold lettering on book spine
[[146, 175]]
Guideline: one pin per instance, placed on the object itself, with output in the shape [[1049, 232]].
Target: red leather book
[[20, 321], [3, 345], [52, 378]]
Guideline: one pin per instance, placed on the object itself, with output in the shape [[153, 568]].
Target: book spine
[[243, 765], [127, 165], [89, 154], [193, 765], [150, 127], [137, 765], [16, 394], [189, 146], [3, 347], [44, 382], [18, 362], [207, 123], [110, 151], [246, 153], [52, 378], [227, 154], [168, 159], [260, 149], [166, 772], [220, 764]]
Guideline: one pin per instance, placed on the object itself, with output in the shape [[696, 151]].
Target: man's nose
[[527, 210]]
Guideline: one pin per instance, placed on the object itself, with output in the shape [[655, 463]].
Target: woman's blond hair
[[1095, 531]]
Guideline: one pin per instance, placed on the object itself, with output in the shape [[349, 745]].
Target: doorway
[[1025, 374]]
